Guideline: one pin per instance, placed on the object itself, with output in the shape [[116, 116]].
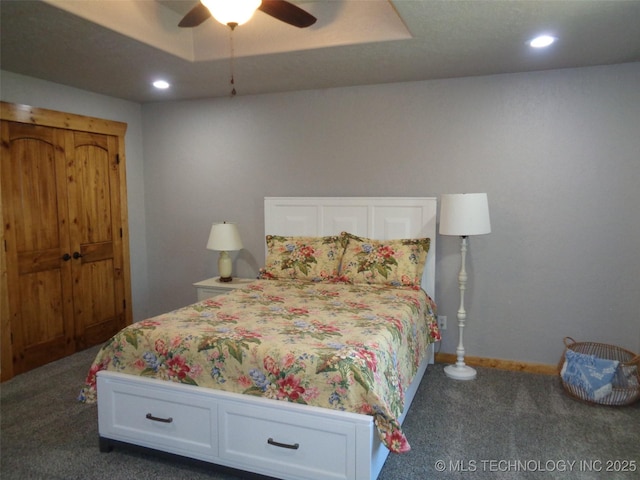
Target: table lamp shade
[[224, 237], [464, 214]]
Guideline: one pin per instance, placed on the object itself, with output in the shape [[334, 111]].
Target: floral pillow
[[387, 262], [303, 258]]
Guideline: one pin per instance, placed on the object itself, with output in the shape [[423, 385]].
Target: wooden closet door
[[95, 236], [62, 192], [35, 212]]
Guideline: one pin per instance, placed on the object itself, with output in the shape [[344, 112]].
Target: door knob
[[77, 255], [66, 257]]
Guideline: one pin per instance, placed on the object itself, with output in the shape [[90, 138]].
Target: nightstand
[[213, 286]]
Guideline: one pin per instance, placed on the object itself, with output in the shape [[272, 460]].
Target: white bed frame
[[270, 437]]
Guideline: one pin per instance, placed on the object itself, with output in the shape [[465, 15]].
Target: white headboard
[[382, 218]]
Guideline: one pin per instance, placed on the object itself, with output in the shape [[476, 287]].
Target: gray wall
[[558, 153]]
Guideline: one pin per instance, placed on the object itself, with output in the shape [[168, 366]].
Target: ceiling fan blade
[[287, 12], [195, 17]]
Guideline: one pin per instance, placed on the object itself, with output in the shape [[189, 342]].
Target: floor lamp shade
[[462, 215], [224, 237]]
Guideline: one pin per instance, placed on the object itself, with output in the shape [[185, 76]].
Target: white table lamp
[[462, 215], [224, 237]]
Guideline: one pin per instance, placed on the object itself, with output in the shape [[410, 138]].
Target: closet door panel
[[33, 185], [36, 235], [93, 229], [44, 332]]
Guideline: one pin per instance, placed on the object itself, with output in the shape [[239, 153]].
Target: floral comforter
[[338, 346]]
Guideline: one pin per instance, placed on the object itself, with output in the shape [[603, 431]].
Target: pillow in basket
[[592, 374]]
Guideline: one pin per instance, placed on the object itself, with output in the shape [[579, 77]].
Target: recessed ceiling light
[[161, 84], [542, 41]]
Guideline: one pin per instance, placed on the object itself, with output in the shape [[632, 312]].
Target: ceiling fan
[[278, 9]]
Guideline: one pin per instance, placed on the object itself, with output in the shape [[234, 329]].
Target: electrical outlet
[[442, 322]]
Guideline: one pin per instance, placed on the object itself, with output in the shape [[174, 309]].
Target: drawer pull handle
[[295, 446], [158, 419]]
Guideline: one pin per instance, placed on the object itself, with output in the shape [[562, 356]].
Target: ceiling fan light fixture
[[232, 11]]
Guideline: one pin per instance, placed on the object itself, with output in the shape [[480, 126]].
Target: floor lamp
[[462, 215]]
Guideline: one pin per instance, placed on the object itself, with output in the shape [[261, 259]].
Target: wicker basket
[[626, 383]]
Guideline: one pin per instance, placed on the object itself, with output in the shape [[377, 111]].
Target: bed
[[306, 373]]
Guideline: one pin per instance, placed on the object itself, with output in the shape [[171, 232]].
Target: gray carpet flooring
[[504, 425]]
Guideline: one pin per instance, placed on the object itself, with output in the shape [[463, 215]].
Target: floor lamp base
[[460, 373]]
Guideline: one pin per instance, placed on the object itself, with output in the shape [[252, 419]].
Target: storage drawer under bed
[[185, 424], [305, 446], [270, 437]]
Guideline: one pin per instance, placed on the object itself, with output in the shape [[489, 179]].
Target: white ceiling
[[117, 47]]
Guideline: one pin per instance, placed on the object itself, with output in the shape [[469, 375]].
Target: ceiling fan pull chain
[[232, 58]]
